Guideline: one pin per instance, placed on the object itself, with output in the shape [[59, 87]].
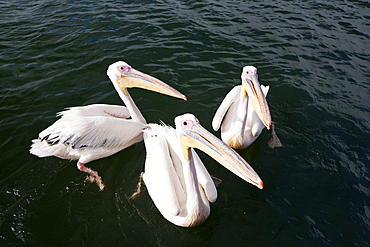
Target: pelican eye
[[188, 124], [123, 69]]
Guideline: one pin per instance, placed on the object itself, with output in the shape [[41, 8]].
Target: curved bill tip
[[268, 125], [260, 185]]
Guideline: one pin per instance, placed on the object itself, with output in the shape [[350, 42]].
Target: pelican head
[[123, 76], [193, 135], [253, 89]]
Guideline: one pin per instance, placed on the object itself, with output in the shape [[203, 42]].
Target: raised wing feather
[[79, 127], [103, 110], [160, 176], [225, 105]]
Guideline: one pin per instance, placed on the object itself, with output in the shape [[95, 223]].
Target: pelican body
[[96, 131], [176, 179], [244, 112]]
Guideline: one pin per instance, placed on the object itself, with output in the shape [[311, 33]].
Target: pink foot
[[139, 189], [94, 177]]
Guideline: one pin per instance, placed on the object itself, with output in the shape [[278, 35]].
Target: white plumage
[[96, 131], [166, 168], [244, 112], [177, 181], [98, 127], [241, 125]]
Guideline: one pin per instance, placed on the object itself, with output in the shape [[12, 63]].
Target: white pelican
[[247, 113], [176, 179], [96, 131]]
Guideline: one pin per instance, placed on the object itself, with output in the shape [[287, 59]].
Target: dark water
[[313, 54]]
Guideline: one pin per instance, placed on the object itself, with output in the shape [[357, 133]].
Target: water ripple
[[313, 54]]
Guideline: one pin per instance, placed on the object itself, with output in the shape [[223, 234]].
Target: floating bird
[[245, 113], [175, 177], [96, 131]]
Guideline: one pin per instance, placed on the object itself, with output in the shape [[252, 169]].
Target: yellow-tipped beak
[[199, 137], [258, 99], [135, 78]]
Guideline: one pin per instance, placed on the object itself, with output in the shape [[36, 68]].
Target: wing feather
[[79, 128], [159, 175], [103, 110], [224, 107]]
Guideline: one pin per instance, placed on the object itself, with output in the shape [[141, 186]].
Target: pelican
[[96, 131], [176, 179], [245, 113]]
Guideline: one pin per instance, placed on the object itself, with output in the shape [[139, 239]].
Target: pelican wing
[[103, 110], [79, 128], [160, 176], [224, 107], [204, 178]]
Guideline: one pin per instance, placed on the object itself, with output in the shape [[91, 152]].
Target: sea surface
[[314, 55]]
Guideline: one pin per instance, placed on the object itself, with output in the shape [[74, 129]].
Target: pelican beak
[[258, 99], [135, 78], [199, 137]]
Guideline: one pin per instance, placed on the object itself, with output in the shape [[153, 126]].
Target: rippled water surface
[[314, 55]]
